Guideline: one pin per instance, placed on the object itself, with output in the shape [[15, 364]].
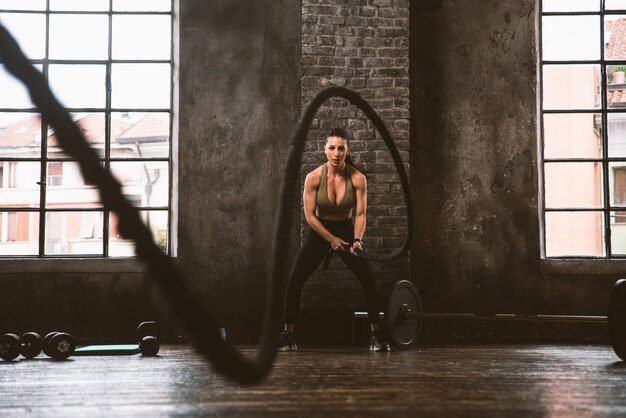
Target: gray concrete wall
[[474, 173], [239, 78], [89, 306], [239, 96]]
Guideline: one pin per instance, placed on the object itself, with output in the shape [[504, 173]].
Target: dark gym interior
[[458, 84]]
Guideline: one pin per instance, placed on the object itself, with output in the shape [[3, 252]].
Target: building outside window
[[110, 64], [583, 128], [55, 174]]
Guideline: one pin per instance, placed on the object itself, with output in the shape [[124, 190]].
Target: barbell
[[404, 316]]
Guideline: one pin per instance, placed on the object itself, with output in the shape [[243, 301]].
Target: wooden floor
[[437, 381]]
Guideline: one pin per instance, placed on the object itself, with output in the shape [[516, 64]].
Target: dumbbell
[[11, 346], [31, 345], [58, 345], [148, 336]]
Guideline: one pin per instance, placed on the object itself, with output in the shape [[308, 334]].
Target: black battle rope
[[195, 317], [294, 160]]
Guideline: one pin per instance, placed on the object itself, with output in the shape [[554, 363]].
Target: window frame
[[579, 263], [103, 261]]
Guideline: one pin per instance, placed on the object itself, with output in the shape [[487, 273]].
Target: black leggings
[[309, 258]]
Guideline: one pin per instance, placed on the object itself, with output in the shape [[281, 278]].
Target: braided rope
[[294, 159]]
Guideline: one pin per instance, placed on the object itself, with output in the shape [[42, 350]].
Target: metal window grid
[[603, 110], [44, 159]]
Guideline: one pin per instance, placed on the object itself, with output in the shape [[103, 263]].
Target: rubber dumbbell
[[148, 336], [46, 342], [59, 345], [30, 345], [9, 347]]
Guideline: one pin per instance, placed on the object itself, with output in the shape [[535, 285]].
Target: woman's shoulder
[[317, 171], [315, 175], [355, 174], [358, 178]]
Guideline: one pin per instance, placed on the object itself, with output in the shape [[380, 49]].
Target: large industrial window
[[110, 64], [583, 127]]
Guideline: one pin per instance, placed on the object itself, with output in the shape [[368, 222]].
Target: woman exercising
[[331, 191]]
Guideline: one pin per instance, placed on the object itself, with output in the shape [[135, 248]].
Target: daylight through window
[[110, 63], [583, 127]]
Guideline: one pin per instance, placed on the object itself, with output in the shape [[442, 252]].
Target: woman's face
[[336, 150]]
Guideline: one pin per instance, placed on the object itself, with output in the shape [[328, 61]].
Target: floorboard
[[431, 381]]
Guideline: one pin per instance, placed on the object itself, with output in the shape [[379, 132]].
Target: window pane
[[29, 30], [615, 85], [140, 135], [571, 5], [144, 184], [574, 234], [73, 227], [140, 86], [79, 85], [80, 5], [20, 135], [617, 134], [572, 135], [615, 4], [141, 37], [571, 86], [14, 93], [573, 185], [615, 38], [155, 220], [19, 233], [66, 187], [74, 233], [142, 5], [79, 37], [18, 184], [618, 233], [23, 4], [617, 183], [571, 37], [91, 125]]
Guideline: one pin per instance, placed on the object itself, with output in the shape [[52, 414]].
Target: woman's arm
[[360, 189], [311, 183]]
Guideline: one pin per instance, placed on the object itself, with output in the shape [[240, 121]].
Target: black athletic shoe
[[286, 342], [378, 344]]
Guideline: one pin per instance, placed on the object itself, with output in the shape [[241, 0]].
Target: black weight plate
[[46, 343], [61, 346], [403, 333], [9, 347], [31, 345], [617, 318]]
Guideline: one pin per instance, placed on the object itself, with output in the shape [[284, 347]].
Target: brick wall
[[361, 45]]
